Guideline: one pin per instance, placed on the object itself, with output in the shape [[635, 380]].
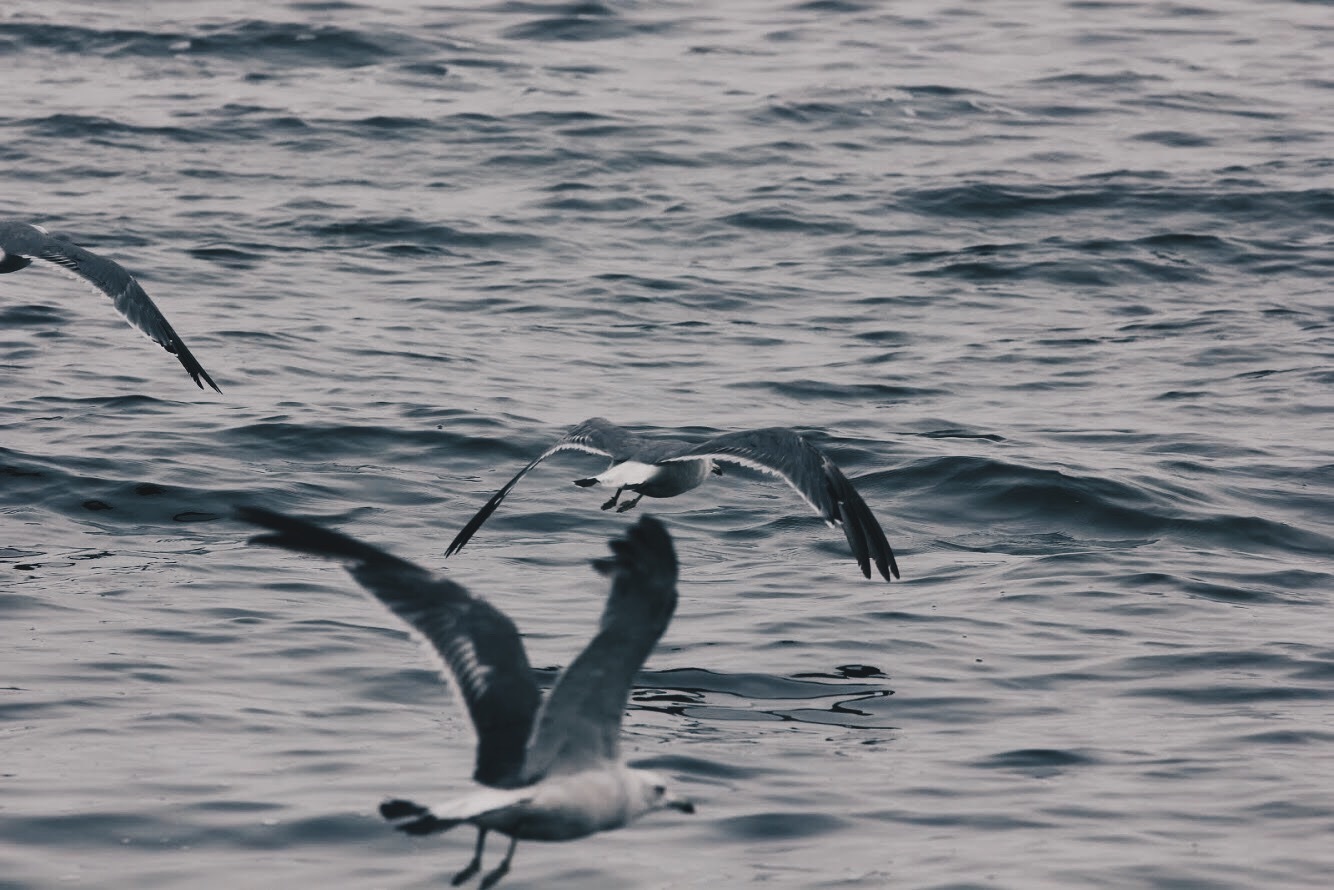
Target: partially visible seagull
[[666, 468], [552, 772], [21, 243]]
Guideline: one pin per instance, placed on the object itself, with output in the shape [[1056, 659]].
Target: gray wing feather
[[783, 453], [580, 725], [18, 239], [477, 643], [595, 436]]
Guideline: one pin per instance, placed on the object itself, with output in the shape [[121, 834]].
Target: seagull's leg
[[502, 869], [626, 505], [611, 503], [476, 865]]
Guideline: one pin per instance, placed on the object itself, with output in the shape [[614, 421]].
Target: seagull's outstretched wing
[[783, 453], [595, 435], [479, 645], [580, 724], [20, 243]]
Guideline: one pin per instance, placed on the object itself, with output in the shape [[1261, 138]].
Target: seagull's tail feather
[[413, 818]]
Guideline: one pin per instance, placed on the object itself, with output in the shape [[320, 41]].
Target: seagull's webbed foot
[[611, 502], [627, 504], [476, 865], [493, 878]]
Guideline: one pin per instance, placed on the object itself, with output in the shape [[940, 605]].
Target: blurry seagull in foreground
[[552, 772], [21, 243], [666, 468]]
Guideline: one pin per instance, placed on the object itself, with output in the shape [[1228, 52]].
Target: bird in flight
[[21, 243], [550, 771], [664, 468]]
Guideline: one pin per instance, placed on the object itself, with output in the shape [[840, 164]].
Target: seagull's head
[[656, 794]]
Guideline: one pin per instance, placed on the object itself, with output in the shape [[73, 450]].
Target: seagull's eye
[[659, 790]]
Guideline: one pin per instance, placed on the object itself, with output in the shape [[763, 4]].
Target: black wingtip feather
[[645, 543], [302, 536]]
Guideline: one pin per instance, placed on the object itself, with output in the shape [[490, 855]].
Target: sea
[[1049, 281]]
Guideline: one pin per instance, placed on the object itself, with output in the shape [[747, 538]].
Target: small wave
[[585, 21], [395, 232], [788, 826]]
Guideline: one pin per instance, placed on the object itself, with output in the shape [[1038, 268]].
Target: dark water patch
[[288, 44], [189, 637], [1212, 102], [428, 69], [825, 392], [285, 834], [964, 819], [100, 828], [1173, 139], [1039, 544], [1170, 257], [1286, 809], [227, 257], [382, 124], [32, 316], [1000, 490], [1319, 669], [746, 686], [394, 232], [1117, 82], [557, 119], [655, 285], [1038, 762], [778, 826], [81, 41], [847, 672], [700, 767], [1253, 661], [984, 200], [98, 129], [235, 806], [785, 221], [1233, 694], [1288, 737], [325, 442], [586, 21], [621, 204], [1090, 506], [960, 433], [1253, 533], [833, 6], [956, 711]]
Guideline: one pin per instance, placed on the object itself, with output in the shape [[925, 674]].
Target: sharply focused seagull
[[666, 468], [21, 243], [552, 772]]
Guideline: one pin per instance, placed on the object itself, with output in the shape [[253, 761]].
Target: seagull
[[550, 772], [21, 243], [665, 468]]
